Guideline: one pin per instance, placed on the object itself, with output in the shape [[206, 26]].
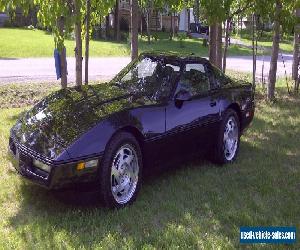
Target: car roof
[[183, 57]]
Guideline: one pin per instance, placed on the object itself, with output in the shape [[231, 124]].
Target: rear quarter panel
[[241, 98]]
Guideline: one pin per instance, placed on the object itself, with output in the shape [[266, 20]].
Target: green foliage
[[155, 36], [214, 10], [13, 4], [217, 12], [182, 37], [266, 9]]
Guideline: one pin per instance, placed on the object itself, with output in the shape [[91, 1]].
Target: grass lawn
[[19, 43], [286, 43], [198, 205]]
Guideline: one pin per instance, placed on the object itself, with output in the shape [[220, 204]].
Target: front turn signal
[[80, 166]]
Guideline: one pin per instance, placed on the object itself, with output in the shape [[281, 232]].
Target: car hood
[[55, 122]]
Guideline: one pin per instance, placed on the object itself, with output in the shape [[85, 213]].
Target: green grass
[[21, 43], [17, 95], [286, 43], [198, 205]]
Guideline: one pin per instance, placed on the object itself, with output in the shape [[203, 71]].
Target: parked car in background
[[159, 108], [199, 28]]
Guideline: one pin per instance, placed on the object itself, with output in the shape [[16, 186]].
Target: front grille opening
[[39, 172], [12, 146]]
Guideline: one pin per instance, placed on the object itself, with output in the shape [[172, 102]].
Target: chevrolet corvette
[[158, 108]]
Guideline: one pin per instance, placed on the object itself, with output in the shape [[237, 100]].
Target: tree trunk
[[189, 19], [134, 29], [148, 26], [141, 23], [237, 26], [171, 28], [212, 43], [254, 49], [107, 27], [227, 36], [241, 25], [117, 22], [64, 71], [275, 51], [87, 40], [174, 26], [296, 55], [63, 57], [197, 11], [78, 39], [156, 22], [219, 46]]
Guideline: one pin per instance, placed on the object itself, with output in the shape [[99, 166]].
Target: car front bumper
[[61, 175]]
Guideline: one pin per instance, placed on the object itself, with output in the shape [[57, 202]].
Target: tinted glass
[[150, 76], [194, 79], [220, 79]]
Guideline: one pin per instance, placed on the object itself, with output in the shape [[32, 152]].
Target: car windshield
[[151, 76]]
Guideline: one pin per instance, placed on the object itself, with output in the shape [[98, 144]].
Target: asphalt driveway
[[42, 69]]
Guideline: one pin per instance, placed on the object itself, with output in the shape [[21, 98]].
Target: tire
[[222, 153], [121, 171]]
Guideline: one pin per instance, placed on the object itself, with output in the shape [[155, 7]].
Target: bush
[[7, 24], [124, 36], [182, 37], [155, 36]]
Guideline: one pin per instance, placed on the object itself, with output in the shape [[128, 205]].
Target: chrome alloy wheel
[[124, 174], [231, 134]]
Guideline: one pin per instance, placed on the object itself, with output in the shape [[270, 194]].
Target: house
[[186, 17], [159, 20]]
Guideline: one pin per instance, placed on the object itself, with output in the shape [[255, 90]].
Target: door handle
[[213, 103]]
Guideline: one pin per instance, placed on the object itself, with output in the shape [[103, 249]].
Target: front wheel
[[228, 140], [121, 168]]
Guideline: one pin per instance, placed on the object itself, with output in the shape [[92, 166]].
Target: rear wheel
[[121, 168], [228, 141]]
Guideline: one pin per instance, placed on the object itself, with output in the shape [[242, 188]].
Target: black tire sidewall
[[117, 141]]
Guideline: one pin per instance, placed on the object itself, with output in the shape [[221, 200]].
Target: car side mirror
[[183, 95]]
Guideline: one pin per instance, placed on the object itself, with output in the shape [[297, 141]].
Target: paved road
[[43, 70]]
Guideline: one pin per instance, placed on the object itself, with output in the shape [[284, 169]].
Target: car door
[[192, 112], [152, 114]]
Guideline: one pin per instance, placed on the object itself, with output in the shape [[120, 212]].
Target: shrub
[[182, 37]]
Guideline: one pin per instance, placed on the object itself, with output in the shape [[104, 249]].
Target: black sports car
[[160, 107]]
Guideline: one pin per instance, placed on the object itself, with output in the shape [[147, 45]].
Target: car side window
[[194, 79], [165, 75], [220, 79]]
